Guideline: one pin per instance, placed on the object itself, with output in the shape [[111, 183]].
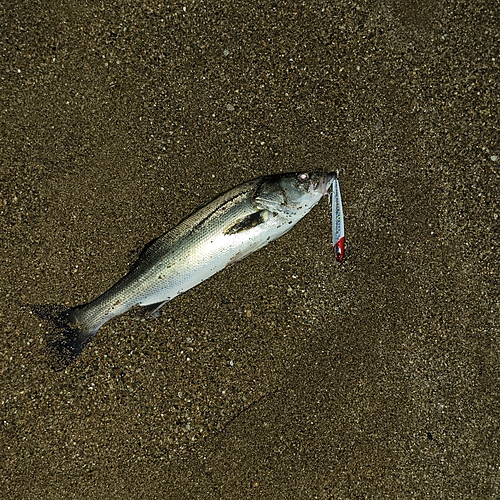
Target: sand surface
[[286, 376]]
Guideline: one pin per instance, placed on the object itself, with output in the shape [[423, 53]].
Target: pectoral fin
[[248, 222]]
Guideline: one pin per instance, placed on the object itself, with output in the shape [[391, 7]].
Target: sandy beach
[[285, 376]]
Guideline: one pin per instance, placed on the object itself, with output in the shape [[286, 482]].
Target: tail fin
[[69, 343], [68, 338]]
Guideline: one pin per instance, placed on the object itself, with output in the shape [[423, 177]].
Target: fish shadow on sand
[[64, 342]]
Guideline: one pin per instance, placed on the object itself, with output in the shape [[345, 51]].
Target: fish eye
[[303, 177]]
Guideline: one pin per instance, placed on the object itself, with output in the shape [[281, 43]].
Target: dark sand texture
[[285, 376]]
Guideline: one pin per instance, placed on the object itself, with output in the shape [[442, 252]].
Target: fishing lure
[[338, 239]]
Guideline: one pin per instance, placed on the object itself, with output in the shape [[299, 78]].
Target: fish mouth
[[324, 182]]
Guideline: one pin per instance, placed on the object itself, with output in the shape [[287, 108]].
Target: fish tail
[[73, 337], [69, 334]]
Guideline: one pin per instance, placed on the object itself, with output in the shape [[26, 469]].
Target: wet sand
[[285, 375]]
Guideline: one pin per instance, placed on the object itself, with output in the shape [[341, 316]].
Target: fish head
[[293, 193]]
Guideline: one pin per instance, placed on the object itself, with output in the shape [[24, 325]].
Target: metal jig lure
[[338, 239]]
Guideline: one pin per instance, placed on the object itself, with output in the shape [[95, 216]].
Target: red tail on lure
[[338, 239]]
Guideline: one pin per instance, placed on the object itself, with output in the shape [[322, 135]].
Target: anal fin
[[154, 308]]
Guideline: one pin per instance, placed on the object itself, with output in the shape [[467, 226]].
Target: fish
[[220, 233]]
